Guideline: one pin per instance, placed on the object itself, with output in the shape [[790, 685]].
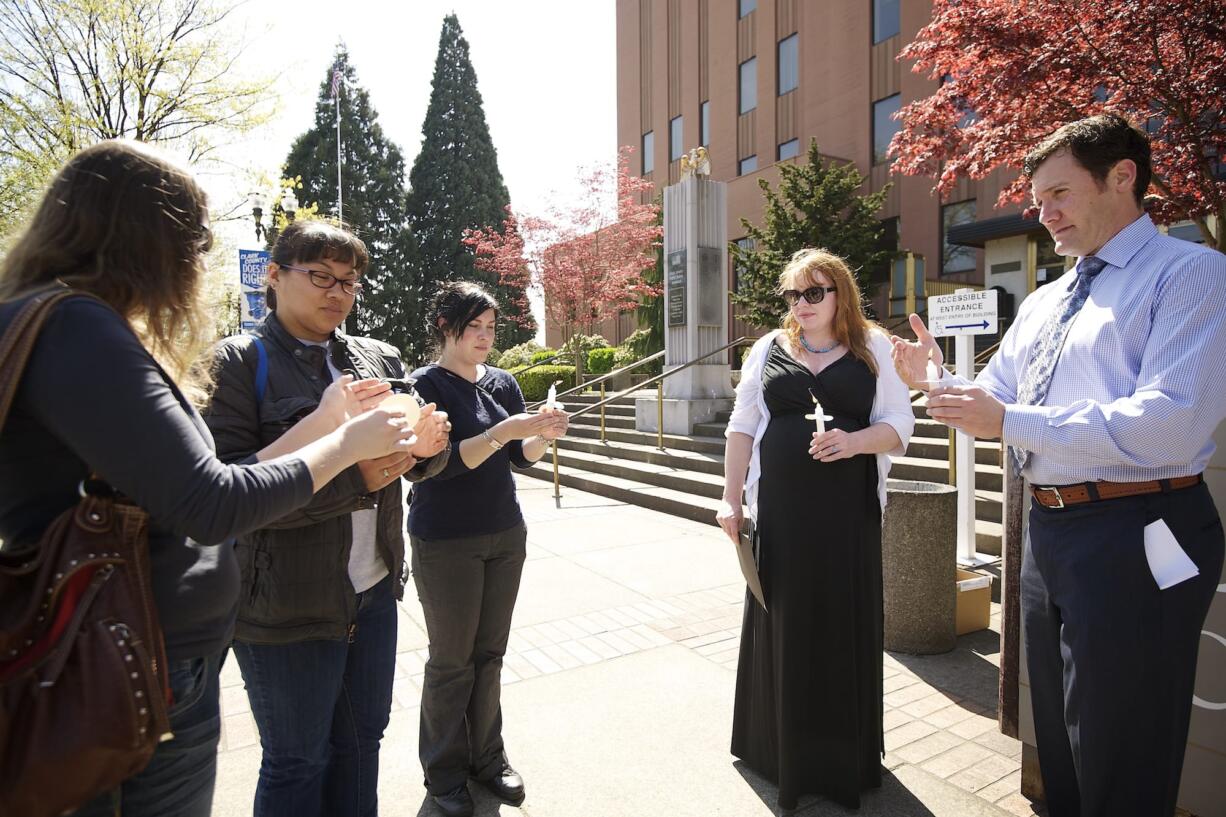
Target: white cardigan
[[750, 416]]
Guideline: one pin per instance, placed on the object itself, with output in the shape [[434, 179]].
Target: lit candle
[[551, 400], [818, 416]]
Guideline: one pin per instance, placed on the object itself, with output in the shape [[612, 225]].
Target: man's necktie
[[1036, 380]]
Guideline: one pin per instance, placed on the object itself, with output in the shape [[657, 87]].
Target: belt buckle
[[1055, 490]]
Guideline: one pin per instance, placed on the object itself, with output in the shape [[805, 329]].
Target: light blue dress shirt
[[1140, 385]]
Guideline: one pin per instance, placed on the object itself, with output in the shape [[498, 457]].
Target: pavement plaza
[[619, 680]]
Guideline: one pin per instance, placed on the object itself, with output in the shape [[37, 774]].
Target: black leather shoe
[[507, 786], [455, 803]]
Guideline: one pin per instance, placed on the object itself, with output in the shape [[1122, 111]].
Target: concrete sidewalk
[[619, 680]]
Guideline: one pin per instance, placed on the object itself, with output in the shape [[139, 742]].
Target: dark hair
[[124, 222], [1097, 143], [455, 305], [306, 240]]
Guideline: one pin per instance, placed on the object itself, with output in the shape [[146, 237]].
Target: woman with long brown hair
[[107, 392], [808, 693]]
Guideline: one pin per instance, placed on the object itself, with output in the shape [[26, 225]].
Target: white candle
[[819, 416], [551, 401]]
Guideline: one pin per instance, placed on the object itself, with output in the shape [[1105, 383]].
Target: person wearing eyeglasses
[[808, 707], [316, 631]]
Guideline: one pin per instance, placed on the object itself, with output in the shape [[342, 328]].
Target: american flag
[[336, 82]]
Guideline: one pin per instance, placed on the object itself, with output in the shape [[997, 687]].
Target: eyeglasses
[[812, 295], [326, 280]]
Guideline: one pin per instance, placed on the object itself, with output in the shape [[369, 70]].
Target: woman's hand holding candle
[[835, 444]]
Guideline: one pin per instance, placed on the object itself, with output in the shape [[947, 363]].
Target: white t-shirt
[[366, 566]]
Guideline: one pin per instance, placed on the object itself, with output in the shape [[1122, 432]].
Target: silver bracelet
[[489, 438]]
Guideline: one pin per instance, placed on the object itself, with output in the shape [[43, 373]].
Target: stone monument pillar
[[695, 301]]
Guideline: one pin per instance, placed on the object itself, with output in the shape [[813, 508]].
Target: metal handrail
[[658, 380], [541, 362], [601, 379]]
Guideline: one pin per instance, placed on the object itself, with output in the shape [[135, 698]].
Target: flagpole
[[339, 205]]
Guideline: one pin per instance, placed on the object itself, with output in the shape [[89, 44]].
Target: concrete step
[[988, 477], [683, 480], [987, 452], [611, 421], [705, 445], [673, 458], [686, 495]]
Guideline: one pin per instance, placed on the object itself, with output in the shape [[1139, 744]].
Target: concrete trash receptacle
[[918, 556]]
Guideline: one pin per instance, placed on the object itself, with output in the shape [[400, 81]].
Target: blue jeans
[[321, 708], [178, 782]]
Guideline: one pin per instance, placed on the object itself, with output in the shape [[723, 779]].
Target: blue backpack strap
[[261, 369]]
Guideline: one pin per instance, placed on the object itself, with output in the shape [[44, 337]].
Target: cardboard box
[[974, 605]]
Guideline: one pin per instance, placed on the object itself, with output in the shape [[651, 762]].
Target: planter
[[918, 556]]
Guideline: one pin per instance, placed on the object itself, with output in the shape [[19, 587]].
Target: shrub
[[584, 343], [493, 357], [635, 348], [518, 355], [543, 354], [534, 383], [600, 361]]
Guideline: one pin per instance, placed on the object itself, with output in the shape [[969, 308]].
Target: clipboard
[[749, 564]]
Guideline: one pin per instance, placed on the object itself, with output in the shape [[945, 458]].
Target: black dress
[[808, 686]]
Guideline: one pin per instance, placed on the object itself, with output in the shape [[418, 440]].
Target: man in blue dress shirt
[[1108, 388]]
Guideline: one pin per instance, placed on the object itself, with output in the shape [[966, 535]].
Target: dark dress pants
[[467, 589], [1111, 658]]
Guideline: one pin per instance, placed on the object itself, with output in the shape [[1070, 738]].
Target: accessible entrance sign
[[966, 312]]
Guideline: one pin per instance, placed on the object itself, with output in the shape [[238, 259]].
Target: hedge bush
[[600, 361], [543, 354], [519, 355], [584, 343], [534, 383]]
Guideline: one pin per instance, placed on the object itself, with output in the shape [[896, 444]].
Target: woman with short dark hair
[[316, 631], [108, 390], [468, 539]]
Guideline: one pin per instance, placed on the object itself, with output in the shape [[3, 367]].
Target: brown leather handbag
[[83, 684]]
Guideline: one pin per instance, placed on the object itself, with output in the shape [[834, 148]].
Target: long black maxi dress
[[808, 686]]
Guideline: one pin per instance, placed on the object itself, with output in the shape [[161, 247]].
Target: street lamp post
[[288, 204]]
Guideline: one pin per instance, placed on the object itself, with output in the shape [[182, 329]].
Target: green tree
[[372, 200], [455, 185], [818, 204], [650, 313], [73, 73]]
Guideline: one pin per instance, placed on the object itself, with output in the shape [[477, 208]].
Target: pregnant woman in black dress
[[808, 698]]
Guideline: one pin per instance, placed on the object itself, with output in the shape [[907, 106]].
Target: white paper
[[1167, 561]]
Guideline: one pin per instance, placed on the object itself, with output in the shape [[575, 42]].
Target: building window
[[955, 257], [675, 143], [789, 71], [885, 19], [884, 125], [748, 72], [649, 151], [747, 165], [704, 124], [745, 244], [789, 149], [1048, 264], [744, 7]]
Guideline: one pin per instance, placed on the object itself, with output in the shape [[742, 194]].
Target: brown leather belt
[[1057, 496]]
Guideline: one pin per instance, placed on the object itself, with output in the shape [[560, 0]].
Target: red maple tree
[[587, 260], [1013, 72]]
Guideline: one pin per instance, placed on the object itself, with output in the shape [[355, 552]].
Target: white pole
[[340, 212], [964, 366]]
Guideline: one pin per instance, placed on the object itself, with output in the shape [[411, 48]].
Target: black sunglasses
[[812, 295]]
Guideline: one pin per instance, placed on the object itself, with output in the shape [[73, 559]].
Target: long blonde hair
[[125, 223], [851, 326]]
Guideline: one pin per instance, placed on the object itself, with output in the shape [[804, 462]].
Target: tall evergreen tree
[[455, 184], [372, 188]]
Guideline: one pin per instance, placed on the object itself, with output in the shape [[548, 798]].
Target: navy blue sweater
[[460, 501]]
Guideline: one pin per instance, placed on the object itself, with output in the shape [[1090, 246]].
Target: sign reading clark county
[[252, 266], [963, 313]]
